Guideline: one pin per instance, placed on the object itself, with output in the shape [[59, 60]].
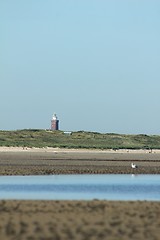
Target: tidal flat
[[19, 161], [78, 220], [90, 220]]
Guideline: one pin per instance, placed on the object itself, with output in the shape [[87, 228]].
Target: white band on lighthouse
[[54, 116]]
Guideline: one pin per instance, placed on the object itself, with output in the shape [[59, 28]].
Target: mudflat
[[79, 220], [18, 161]]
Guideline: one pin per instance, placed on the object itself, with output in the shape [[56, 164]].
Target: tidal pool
[[81, 187]]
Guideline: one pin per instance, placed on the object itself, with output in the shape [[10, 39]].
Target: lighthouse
[[54, 122]]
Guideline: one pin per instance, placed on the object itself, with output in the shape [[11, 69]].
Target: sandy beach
[[78, 220]]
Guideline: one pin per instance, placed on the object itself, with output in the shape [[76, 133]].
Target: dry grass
[[80, 139]]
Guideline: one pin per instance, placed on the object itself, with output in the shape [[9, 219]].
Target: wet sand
[[59, 161], [79, 220]]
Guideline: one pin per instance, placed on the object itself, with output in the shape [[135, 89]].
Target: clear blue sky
[[96, 63]]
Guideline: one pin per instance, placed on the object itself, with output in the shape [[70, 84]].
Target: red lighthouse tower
[[54, 122]]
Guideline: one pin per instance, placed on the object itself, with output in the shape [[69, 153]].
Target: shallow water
[[81, 187]]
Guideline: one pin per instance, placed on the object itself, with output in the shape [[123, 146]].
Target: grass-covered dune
[[80, 139]]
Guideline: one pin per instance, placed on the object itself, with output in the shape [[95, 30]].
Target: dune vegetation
[[81, 139]]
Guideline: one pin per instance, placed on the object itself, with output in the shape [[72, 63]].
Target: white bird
[[133, 165]]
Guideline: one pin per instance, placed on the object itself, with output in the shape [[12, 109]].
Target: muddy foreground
[[87, 220]]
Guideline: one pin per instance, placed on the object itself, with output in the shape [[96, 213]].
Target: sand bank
[[78, 220], [90, 220], [19, 161], [65, 150]]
